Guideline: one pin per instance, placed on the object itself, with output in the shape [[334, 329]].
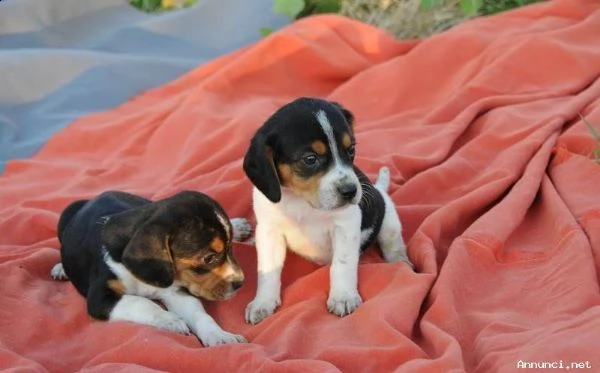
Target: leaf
[[320, 7], [325, 6], [150, 5], [290, 8], [470, 7], [429, 4], [265, 31]]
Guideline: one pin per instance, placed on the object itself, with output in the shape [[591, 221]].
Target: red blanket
[[492, 174]]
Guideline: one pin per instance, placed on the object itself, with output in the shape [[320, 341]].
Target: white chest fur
[[309, 232]]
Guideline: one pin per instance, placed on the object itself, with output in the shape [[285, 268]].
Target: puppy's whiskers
[[368, 193]]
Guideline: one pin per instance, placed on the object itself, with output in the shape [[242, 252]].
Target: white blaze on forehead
[[223, 220], [328, 130]]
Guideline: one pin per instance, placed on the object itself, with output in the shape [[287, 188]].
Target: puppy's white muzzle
[[339, 187]]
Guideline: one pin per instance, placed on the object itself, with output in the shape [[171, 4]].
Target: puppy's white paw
[[221, 337], [259, 309], [171, 322], [58, 272], [408, 262], [398, 256], [241, 229], [343, 304]]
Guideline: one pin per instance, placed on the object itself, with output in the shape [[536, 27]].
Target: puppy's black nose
[[237, 284], [347, 191]]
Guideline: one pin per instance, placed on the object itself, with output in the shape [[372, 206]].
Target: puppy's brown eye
[[310, 159], [210, 258]]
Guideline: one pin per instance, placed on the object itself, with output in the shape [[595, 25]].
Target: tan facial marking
[[346, 140], [185, 263], [198, 285], [319, 147], [211, 285], [285, 173], [223, 271], [305, 187], [117, 286], [217, 244]]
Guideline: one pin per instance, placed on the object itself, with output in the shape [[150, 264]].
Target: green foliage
[[429, 4], [595, 135], [470, 7], [147, 5], [265, 31], [482, 7], [153, 6], [497, 6], [295, 9], [320, 7], [289, 8]]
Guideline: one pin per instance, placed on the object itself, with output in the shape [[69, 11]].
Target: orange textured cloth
[[492, 175]]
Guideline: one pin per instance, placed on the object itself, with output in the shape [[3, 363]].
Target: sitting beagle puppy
[[121, 251], [309, 196]]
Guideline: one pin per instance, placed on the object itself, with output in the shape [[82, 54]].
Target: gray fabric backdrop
[[61, 59]]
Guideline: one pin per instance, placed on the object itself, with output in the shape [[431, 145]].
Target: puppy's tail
[[68, 214], [383, 179]]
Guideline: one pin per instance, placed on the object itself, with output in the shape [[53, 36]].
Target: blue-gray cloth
[[61, 59]]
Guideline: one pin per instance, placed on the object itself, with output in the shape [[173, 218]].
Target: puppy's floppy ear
[[345, 112], [260, 167], [145, 243]]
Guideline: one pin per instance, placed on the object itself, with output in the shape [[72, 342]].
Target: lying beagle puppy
[[120, 251], [309, 196]]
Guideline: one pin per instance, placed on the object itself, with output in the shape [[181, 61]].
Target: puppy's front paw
[[409, 263], [343, 304], [220, 337], [399, 257], [171, 322], [259, 309], [241, 229]]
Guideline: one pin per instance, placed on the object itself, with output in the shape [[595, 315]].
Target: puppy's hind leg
[[103, 303], [390, 235], [58, 272], [144, 311]]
